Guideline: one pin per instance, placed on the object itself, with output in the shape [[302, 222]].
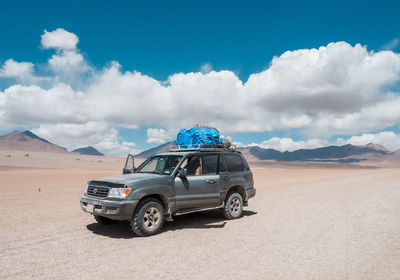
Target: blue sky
[[162, 38]]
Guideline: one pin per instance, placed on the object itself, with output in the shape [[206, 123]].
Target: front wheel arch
[[163, 200]]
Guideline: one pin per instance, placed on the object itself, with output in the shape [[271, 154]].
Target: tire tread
[[225, 210], [136, 223]]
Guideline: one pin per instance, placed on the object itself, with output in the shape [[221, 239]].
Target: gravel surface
[[303, 224]]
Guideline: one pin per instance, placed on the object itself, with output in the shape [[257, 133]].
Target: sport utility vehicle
[[170, 184]]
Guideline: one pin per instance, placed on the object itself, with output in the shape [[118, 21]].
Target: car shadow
[[199, 220]]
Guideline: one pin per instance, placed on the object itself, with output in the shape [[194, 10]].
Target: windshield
[[159, 164]]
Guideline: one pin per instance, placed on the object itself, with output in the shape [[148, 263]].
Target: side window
[[234, 162], [210, 163], [222, 164], [193, 166]]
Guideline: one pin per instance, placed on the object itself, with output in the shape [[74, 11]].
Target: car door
[[224, 176], [237, 174], [200, 188]]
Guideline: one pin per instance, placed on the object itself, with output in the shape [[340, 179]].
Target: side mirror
[[182, 173], [126, 170], [129, 165]]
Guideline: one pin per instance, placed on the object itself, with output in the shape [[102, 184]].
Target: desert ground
[[306, 222]]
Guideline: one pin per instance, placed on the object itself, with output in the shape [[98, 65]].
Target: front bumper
[[112, 209]]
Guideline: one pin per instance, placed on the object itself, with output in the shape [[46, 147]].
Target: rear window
[[234, 162], [210, 163]]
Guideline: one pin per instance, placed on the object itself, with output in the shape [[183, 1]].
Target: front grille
[[97, 191]]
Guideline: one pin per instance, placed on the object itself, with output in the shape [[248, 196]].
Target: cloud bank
[[338, 89], [388, 139]]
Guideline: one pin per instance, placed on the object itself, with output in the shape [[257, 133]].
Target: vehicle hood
[[130, 179]]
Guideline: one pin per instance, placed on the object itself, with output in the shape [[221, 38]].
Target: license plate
[[89, 208]]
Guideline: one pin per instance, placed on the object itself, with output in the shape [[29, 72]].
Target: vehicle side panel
[[196, 191]]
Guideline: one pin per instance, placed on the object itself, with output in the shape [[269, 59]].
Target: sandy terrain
[[304, 223]]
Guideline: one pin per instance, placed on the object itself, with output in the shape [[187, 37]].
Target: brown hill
[[28, 141], [394, 156], [163, 148], [377, 147], [397, 152]]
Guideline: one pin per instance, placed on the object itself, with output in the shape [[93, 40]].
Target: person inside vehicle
[[193, 166]]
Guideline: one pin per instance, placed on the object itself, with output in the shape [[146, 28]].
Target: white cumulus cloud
[[99, 135], [155, 135], [59, 39], [288, 144], [68, 59], [388, 139], [334, 79], [14, 69], [338, 89]]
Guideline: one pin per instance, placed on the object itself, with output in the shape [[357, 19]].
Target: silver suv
[[170, 184]]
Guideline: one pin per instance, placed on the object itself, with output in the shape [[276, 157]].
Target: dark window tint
[[210, 163], [222, 164], [193, 166], [234, 162]]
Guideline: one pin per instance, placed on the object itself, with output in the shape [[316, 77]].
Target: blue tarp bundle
[[198, 136]]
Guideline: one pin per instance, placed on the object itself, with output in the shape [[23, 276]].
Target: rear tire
[[148, 218], [233, 208], [104, 221]]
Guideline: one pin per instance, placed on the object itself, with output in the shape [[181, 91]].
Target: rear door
[[212, 178], [224, 176], [237, 173]]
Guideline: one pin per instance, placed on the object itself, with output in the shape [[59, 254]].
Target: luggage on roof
[[200, 137]]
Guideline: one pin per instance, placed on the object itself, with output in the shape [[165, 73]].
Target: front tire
[[233, 208], [148, 217]]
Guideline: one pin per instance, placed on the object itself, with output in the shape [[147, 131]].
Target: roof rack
[[203, 147]]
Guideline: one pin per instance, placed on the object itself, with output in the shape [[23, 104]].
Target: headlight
[[119, 192], [87, 186]]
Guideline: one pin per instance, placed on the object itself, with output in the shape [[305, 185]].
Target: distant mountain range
[[88, 151], [345, 154], [342, 154], [28, 141]]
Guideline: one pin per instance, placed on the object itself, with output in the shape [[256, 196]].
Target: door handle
[[210, 181], [226, 178]]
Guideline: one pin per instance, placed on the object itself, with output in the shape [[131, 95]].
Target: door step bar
[[199, 210]]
